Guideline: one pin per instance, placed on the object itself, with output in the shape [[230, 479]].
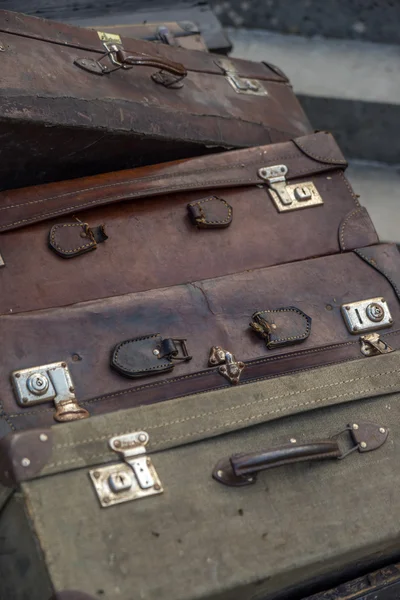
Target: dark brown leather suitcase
[[177, 222], [184, 34], [77, 102]]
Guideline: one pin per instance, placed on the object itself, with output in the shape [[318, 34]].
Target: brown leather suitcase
[[183, 34], [177, 222], [77, 102], [63, 364]]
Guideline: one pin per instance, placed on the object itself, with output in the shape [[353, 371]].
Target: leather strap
[[150, 61]]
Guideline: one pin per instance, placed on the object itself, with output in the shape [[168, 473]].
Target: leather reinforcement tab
[[210, 213], [72, 239], [281, 327], [148, 355]]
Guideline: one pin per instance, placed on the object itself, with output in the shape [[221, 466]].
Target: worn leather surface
[[152, 242], [208, 313], [126, 108], [281, 326], [210, 213], [385, 261], [356, 227]]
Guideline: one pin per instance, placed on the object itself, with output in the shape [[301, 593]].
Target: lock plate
[[366, 315], [130, 480], [241, 85], [286, 196], [113, 38]]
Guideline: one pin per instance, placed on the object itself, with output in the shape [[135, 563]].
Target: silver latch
[[241, 85], [2, 263], [230, 368], [49, 383], [289, 197], [133, 479], [372, 344], [366, 315]]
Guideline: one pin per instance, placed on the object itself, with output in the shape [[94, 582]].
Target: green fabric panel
[[200, 539], [202, 416]]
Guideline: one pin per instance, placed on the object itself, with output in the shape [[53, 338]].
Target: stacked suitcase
[[171, 330]]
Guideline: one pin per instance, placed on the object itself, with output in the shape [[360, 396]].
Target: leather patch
[[322, 147], [281, 327], [73, 239], [210, 213], [357, 230], [23, 455]]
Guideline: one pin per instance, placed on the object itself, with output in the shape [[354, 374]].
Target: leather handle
[[241, 469], [150, 61]]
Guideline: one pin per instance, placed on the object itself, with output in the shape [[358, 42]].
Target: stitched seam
[[297, 337], [205, 217], [142, 193], [325, 159], [355, 197], [133, 341], [226, 424], [345, 222], [380, 270], [64, 250], [196, 375]]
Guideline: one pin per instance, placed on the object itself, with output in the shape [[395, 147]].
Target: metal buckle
[[135, 478], [289, 197], [229, 367], [241, 85], [185, 354], [366, 315], [49, 383], [365, 436]]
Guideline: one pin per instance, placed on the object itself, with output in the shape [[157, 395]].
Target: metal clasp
[[241, 85], [135, 478], [365, 436], [366, 315], [289, 197], [230, 368], [45, 383], [372, 344]]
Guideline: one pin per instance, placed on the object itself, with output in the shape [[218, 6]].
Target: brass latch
[[372, 344], [49, 383], [241, 85], [289, 197], [229, 367], [132, 479]]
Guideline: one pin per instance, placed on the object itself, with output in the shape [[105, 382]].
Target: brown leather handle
[[241, 469], [151, 61]]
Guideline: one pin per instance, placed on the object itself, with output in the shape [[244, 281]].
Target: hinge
[[132, 479], [49, 383], [230, 368], [241, 85], [289, 197], [372, 344]]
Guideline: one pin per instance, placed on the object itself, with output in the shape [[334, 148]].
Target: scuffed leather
[[210, 213], [322, 147], [282, 326], [385, 259], [357, 230]]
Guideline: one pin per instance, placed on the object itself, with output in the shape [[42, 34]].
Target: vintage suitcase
[[100, 356], [171, 500], [77, 102], [176, 223], [184, 34]]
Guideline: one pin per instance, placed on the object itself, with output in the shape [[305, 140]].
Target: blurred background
[[342, 57]]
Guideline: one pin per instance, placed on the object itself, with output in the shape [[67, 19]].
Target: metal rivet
[[157, 486], [25, 462], [347, 307], [24, 400], [117, 444], [220, 473], [17, 374], [96, 474], [383, 300], [63, 365], [355, 426], [76, 357], [293, 440], [71, 389], [156, 352], [142, 437], [273, 326], [363, 444], [106, 500], [390, 320], [43, 437], [355, 328], [382, 430], [329, 307]]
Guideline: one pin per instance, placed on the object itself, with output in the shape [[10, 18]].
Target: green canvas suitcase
[[178, 500]]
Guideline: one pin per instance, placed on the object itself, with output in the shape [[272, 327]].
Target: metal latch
[[372, 344], [49, 383], [230, 368], [241, 85], [112, 38], [133, 479], [289, 197], [366, 315], [2, 263]]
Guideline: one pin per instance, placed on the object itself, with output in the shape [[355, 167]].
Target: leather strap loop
[[150, 61]]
